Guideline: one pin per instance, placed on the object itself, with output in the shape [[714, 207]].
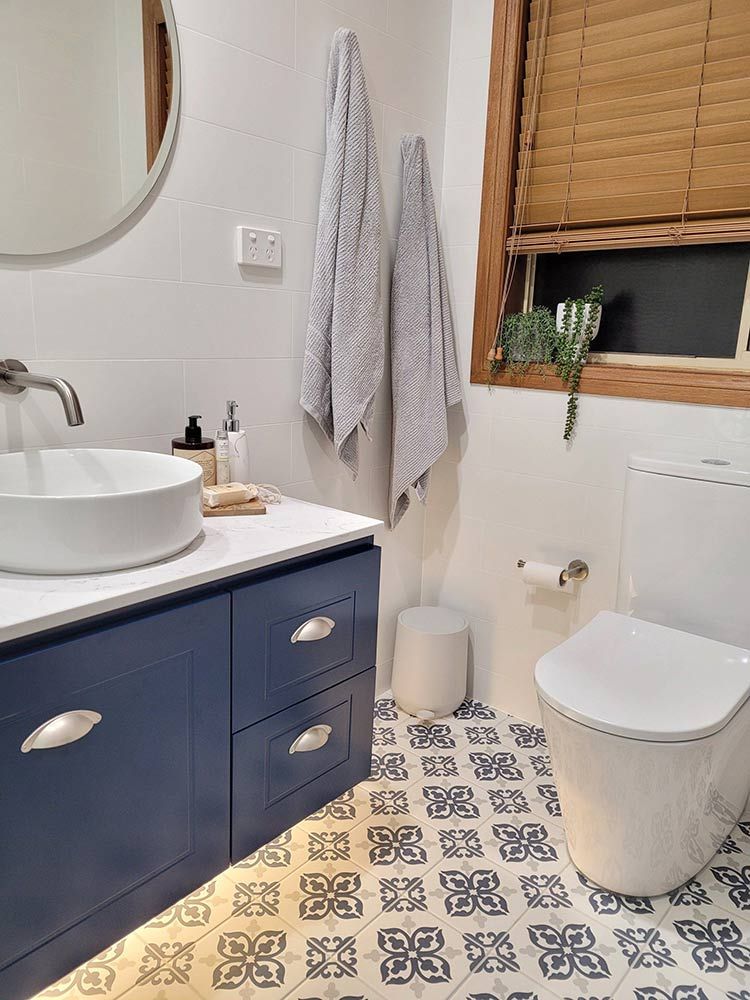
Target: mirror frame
[[50, 255]]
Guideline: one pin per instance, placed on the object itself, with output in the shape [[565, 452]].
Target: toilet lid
[[633, 678]]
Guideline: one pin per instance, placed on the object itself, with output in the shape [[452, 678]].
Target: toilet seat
[[633, 678]]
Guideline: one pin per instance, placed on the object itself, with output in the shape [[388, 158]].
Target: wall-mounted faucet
[[15, 377]]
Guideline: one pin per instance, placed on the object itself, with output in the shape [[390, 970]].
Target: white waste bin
[[430, 661]]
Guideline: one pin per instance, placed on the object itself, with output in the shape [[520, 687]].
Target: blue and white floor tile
[[445, 875]]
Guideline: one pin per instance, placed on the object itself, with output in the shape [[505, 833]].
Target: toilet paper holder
[[577, 570]]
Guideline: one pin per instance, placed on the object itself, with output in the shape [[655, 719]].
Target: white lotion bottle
[[239, 452], [223, 471]]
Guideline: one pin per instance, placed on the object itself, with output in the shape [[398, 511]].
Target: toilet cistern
[[15, 377]]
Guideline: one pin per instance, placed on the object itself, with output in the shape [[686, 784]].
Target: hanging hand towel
[[423, 355], [345, 338]]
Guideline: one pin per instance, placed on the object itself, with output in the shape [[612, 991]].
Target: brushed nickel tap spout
[[15, 377]]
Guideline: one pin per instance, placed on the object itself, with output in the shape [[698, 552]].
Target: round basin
[[85, 510]]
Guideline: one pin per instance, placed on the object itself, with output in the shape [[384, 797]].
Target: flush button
[[715, 461]]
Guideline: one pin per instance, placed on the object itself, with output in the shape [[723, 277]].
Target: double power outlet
[[258, 247]]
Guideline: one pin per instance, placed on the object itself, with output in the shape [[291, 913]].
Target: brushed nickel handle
[[314, 629], [312, 739], [61, 730]]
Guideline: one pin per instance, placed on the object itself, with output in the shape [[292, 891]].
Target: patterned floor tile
[[433, 738], [347, 987], [446, 803], [571, 954], [710, 943], [611, 908], [523, 736], [501, 986], [472, 894], [194, 916], [394, 846], [725, 882], [277, 858], [667, 984], [493, 763], [388, 713], [415, 955], [259, 957], [108, 975], [525, 844], [398, 766], [327, 898]]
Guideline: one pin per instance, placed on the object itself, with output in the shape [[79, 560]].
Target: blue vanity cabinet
[[100, 834], [142, 753], [301, 631]]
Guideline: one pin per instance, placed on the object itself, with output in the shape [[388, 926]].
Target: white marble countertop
[[227, 546]]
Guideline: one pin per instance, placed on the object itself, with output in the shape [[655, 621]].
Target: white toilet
[[647, 711]]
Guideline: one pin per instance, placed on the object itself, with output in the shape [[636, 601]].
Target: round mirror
[[89, 98]]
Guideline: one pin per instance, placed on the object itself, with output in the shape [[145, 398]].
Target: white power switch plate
[[258, 247]]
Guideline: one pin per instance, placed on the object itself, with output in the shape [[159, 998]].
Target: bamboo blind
[[635, 124]]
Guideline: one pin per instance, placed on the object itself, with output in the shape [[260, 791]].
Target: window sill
[[676, 385]]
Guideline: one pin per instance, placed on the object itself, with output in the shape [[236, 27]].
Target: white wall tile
[[266, 390], [308, 175], [16, 316], [423, 23], [250, 94], [93, 316], [471, 35], [256, 175], [270, 453], [267, 29], [374, 12], [467, 96], [151, 249]]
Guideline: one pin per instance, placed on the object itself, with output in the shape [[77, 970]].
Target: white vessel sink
[[91, 510]]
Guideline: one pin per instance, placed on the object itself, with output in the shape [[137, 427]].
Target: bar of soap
[[226, 495]]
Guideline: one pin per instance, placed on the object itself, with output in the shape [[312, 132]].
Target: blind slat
[[614, 65], [619, 186], [632, 87], [641, 207], [730, 154], [625, 20], [711, 95], [644, 125], [708, 136]]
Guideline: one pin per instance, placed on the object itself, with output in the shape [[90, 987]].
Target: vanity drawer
[[301, 632], [288, 766]]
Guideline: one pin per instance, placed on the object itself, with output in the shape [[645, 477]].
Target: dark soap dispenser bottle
[[196, 448]]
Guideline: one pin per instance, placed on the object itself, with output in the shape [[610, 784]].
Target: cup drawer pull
[[62, 729], [314, 629], [311, 739]]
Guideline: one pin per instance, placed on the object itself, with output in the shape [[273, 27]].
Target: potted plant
[[527, 340], [578, 323]]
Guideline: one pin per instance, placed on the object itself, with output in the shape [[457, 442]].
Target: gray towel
[[423, 354], [345, 337]]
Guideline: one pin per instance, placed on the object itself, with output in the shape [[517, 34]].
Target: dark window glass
[[683, 300]]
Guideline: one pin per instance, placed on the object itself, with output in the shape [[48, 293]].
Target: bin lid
[[432, 620]]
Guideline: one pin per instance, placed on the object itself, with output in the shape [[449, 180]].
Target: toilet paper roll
[[546, 576]]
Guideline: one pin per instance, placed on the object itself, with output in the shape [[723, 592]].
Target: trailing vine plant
[[576, 332]]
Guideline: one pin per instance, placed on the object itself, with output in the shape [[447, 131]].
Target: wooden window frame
[[677, 381]]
